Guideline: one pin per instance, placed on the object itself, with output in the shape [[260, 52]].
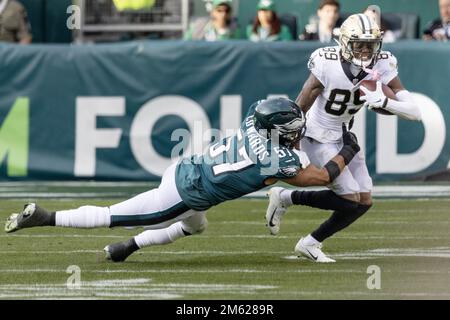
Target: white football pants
[[155, 209], [354, 178]]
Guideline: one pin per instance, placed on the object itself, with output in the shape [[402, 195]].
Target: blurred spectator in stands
[[325, 25], [123, 5], [267, 26], [14, 25], [374, 12], [439, 29], [220, 26]]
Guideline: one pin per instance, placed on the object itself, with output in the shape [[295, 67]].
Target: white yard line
[[177, 290], [193, 270], [59, 236], [376, 293], [213, 253], [70, 195], [437, 252], [404, 191], [100, 184], [128, 288], [13, 190], [231, 236], [440, 252], [316, 269]]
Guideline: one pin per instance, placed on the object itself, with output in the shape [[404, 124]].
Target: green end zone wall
[[108, 112]]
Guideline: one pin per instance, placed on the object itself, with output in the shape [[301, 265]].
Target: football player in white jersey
[[330, 96]]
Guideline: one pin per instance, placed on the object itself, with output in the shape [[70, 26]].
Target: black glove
[[349, 138], [351, 147]]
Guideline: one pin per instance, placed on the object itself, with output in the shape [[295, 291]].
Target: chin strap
[[359, 63]]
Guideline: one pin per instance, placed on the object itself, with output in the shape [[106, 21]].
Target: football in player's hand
[[372, 86]]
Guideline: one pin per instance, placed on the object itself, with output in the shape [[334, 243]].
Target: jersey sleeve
[[291, 166], [316, 66], [389, 67], [303, 158]]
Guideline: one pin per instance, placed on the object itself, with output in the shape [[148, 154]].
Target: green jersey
[[234, 167]]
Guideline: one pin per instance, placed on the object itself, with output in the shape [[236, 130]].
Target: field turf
[[236, 258]]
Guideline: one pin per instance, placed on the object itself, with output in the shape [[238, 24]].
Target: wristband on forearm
[[332, 169], [347, 152]]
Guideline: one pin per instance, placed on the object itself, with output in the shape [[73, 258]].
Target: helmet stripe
[[365, 23], [362, 23], [370, 24]]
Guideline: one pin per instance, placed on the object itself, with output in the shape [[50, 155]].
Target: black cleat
[[31, 216], [119, 252]]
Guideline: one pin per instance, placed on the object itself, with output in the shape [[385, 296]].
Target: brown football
[[371, 85]]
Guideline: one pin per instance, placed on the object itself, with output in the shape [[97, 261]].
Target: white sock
[[285, 196], [309, 240], [83, 217], [161, 236]]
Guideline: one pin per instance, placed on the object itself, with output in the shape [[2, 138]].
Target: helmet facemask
[[363, 52], [289, 138]]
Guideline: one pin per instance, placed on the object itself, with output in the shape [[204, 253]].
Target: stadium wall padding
[[108, 112]]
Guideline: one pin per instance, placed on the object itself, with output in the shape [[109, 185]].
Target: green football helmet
[[280, 118]]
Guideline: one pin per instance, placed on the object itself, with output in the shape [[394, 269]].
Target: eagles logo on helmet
[[284, 117]]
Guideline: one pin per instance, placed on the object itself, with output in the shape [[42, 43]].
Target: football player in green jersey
[[260, 154]]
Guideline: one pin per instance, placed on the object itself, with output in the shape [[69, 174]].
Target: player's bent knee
[[351, 197], [195, 225], [365, 199], [349, 206], [197, 229], [202, 227], [368, 203]]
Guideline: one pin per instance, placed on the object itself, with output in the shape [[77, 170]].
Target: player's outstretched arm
[[314, 176], [404, 107], [310, 91]]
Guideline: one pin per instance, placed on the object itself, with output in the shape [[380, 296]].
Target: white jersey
[[339, 101]]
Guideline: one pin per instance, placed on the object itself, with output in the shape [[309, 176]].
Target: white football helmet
[[360, 40]]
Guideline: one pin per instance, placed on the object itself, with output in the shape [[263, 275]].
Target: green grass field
[[236, 258]]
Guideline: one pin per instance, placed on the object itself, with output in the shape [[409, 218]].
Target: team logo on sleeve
[[289, 171], [393, 66]]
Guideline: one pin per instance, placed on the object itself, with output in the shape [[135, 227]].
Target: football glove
[[349, 138], [351, 147], [374, 99]]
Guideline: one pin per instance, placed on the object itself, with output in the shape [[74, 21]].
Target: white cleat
[[312, 252], [11, 223], [31, 216], [275, 210]]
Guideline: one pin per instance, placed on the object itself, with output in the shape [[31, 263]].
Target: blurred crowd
[[268, 23], [14, 25]]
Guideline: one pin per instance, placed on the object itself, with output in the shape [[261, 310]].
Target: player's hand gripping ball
[[375, 95]]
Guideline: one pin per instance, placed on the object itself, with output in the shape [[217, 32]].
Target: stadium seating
[[291, 22]]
